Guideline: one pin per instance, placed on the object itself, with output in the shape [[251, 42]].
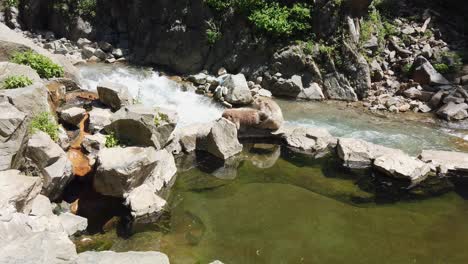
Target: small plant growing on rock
[[16, 81], [160, 117], [44, 66], [213, 34], [111, 141], [442, 68], [46, 123]]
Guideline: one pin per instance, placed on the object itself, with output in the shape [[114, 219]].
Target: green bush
[[44, 66], [87, 8], [406, 69], [218, 5], [282, 21], [16, 81], [111, 141], [442, 68], [213, 34], [46, 123], [11, 3], [448, 62]]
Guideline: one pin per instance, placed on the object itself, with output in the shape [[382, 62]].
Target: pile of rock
[[83, 50]]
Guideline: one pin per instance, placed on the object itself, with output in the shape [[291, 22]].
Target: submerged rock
[[107, 257]]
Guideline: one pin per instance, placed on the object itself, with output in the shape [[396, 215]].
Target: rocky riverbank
[[54, 134]]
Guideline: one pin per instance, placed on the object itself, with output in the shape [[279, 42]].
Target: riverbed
[[269, 205]]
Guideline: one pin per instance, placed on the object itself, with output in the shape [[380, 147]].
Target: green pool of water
[[268, 206]]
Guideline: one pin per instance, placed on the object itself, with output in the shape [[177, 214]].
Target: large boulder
[[337, 87], [18, 190], [356, 153], [402, 167], [52, 162], [120, 170], [31, 100], [447, 161], [192, 137], [73, 224], [238, 91], [452, 111], [114, 95], [164, 171], [13, 69], [143, 126], [109, 257], [222, 140], [99, 118], [284, 87], [425, 74], [72, 115]]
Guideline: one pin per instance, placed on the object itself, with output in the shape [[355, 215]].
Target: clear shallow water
[[291, 209], [155, 90]]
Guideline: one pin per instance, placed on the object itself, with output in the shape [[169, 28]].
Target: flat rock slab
[[446, 160], [110, 257], [402, 167], [357, 154], [307, 140]]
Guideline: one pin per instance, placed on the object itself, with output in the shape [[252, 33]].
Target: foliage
[[448, 62], [442, 68], [44, 66], [160, 117], [16, 81], [280, 21], [111, 141], [308, 47], [87, 8], [46, 123], [406, 69], [388, 8], [213, 33], [73, 8], [11, 3], [218, 5]]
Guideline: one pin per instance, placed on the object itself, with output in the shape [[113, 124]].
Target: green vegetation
[[160, 117], [448, 62], [406, 69], [11, 3], [44, 66], [111, 141], [46, 123], [269, 17], [87, 8], [375, 25], [442, 68], [16, 81], [280, 21], [74, 8], [213, 34]]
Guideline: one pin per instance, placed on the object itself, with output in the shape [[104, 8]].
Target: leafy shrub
[[87, 8], [111, 141], [16, 81], [219, 5], [46, 123], [442, 68], [406, 69], [280, 20], [12, 3], [213, 33], [44, 66], [160, 117]]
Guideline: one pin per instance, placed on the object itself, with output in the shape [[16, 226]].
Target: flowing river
[[272, 206]]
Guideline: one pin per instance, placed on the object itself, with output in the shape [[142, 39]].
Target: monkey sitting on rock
[[264, 114]]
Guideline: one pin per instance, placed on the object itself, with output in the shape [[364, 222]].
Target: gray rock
[[88, 52], [143, 126], [336, 87], [93, 143], [356, 153], [425, 74], [109, 257], [314, 92], [307, 140], [144, 202], [238, 90], [376, 71], [193, 137], [18, 190], [52, 162], [12, 69], [82, 42], [105, 46], [31, 100], [164, 171], [73, 224], [120, 170], [222, 140], [73, 115], [114, 95], [117, 53], [100, 54], [41, 206], [99, 118], [452, 111], [447, 161], [402, 166], [279, 86], [13, 130], [198, 79]]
